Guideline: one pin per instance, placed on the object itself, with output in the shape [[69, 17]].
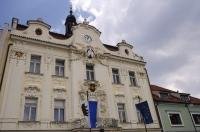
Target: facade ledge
[[32, 73], [30, 122], [56, 76], [118, 84], [58, 122]]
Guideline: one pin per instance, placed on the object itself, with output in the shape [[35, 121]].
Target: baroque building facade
[[46, 77]]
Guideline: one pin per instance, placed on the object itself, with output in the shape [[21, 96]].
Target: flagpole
[[145, 127]]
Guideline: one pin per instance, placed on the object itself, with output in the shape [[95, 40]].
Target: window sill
[[177, 125], [32, 73], [92, 81], [58, 122], [34, 122], [56, 76]]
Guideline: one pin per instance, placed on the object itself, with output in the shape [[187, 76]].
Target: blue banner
[[92, 113], [143, 107]]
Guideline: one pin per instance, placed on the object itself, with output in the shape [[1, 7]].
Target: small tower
[[70, 21]]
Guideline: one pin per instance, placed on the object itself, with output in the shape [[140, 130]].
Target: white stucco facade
[[18, 83]]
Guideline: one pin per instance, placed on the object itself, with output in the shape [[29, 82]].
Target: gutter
[[1, 83]]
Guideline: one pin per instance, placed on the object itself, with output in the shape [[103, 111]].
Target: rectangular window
[[90, 72], [30, 109], [35, 64], [60, 67], [132, 78], [115, 73], [121, 112], [175, 119], [59, 110], [196, 118]]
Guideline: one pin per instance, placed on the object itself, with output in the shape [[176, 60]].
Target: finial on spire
[[70, 9]]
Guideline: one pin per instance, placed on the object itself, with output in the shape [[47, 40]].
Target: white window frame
[[30, 108], [122, 119], [131, 78], [59, 68], [35, 62], [193, 118], [114, 76], [89, 72], [179, 113], [59, 110]]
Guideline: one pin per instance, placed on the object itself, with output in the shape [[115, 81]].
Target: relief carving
[[31, 91], [17, 54]]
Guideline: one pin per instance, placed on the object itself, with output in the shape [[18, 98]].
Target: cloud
[[166, 33]]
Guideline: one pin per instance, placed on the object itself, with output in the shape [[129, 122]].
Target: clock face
[[87, 38]]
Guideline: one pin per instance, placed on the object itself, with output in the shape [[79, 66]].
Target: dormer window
[[164, 95], [185, 97]]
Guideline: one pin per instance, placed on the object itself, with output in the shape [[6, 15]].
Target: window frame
[[193, 117], [114, 76], [122, 113], [34, 62], [59, 68], [30, 108], [179, 113], [59, 110], [90, 74], [131, 78]]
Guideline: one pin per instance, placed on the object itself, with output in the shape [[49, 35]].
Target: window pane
[[88, 75], [115, 71], [175, 119], [124, 116], [31, 67], [35, 63], [57, 70], [89, 67], [60, 62], [117, 79], [26, 113], [121, 112], [62, 115], [196, 118], [33, 114], [61, 71], [37, 69], [92, 75], [55, 114]]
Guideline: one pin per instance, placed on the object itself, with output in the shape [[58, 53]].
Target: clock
[[87, 38]]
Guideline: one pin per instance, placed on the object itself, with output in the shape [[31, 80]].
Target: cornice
[[124, 59], [46, 43]]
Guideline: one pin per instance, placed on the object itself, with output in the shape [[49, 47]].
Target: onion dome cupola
[[70, 21]]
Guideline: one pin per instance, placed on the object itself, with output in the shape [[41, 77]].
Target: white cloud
[[166, 33]]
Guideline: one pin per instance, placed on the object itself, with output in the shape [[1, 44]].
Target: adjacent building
[[178, 112], [47, 76]]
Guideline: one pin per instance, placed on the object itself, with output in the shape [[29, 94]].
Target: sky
[[165, 32]]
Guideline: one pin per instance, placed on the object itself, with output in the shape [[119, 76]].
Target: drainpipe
[[1, 83]]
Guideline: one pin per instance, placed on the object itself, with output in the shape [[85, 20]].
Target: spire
[[70, 9], [70, 21]]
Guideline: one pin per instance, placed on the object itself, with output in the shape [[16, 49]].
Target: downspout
[[9, 45], [155, 105]]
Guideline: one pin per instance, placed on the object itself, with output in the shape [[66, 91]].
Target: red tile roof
[[173, 97]]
